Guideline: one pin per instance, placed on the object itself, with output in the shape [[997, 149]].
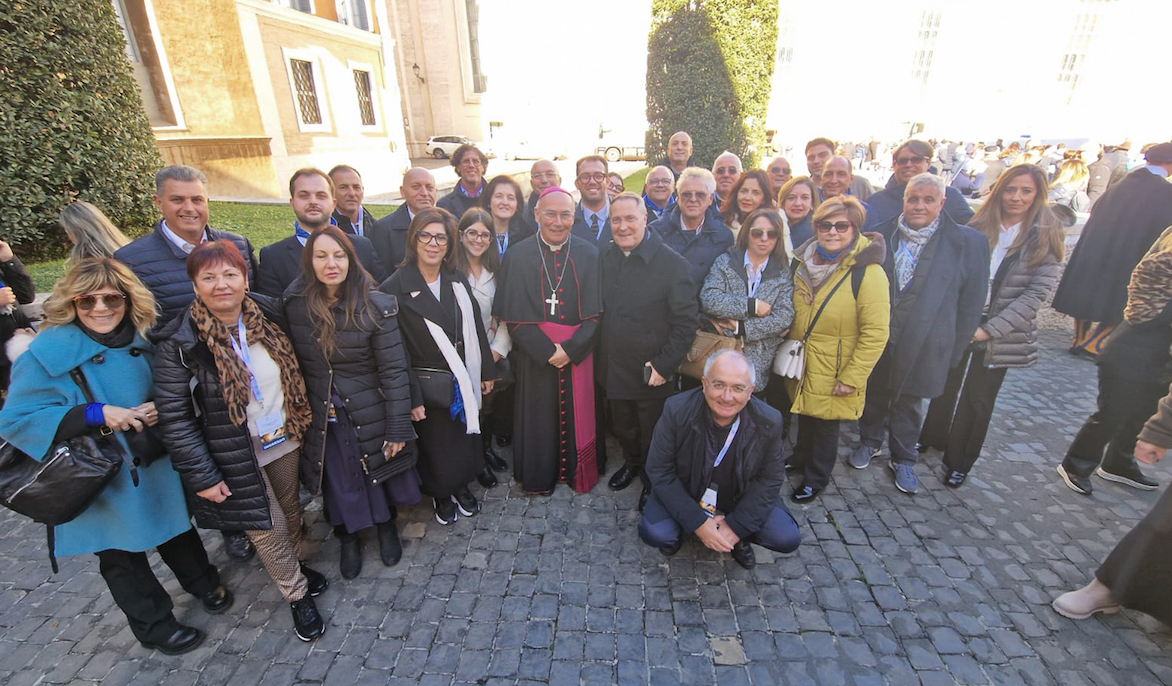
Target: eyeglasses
[[771, 234], [564, 216], [478, 236], [780, 170], [826, 227], [692, 195], [112, 301], [721, 387], [591, 176], [437, 238], [910, 160], [616, 187], [721, 171], [658, 182]]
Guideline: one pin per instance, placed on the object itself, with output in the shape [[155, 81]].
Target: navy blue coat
[[802, 231], [929, 334], [582, 230], [162, 267], [888, 204], [700, 251], [389, 237]]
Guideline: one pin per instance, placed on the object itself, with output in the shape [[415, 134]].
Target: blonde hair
[[90, 231], [96, 273], [1072, 172], [841, 204]]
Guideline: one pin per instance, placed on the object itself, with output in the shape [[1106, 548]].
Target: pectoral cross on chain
[[553, 303]]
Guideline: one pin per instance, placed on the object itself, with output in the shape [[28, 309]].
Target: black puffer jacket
[[369, 371], [205, 446]]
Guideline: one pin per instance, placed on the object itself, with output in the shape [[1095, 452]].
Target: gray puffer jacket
[[1019, 291]]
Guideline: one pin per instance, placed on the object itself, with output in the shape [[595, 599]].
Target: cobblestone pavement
[[941, 588]]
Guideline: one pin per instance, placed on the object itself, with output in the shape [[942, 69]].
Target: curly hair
[[94, 274]]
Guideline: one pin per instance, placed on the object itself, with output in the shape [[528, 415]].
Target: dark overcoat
[[1124, 223], [389, 237], [934, 318], [700, 251], [649, 314]]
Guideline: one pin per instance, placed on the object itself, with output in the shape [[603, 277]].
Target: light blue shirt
[[1158, 171], [602, 215], [182, 243]]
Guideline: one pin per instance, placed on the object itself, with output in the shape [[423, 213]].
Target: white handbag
[[790, 360]]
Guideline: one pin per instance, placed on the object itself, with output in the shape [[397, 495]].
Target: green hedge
[[709, 72], [72, 124]]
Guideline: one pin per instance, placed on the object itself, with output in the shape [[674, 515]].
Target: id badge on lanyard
[[241, 349], [708, 500]]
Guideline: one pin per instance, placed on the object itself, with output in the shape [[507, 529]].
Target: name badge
[[272, 430], [708, 502]]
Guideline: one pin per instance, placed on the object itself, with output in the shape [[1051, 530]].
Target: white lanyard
[[241, 349], [732, 433]]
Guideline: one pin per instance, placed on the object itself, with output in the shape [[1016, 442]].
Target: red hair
[[212, 253]]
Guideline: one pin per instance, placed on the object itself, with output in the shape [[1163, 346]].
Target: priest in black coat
[[1124, 223], [313, 204], [649, 320], [548, 294]]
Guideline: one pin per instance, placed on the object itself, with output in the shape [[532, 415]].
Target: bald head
[[836, 176], [543, 174], [418, 189], [679, 150], [728, 385]]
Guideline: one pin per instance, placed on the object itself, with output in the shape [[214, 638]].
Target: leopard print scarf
[[234, 377], [1150, 288]]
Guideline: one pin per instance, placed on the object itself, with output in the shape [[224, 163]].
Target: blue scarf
[[302, 234], [829, 256]]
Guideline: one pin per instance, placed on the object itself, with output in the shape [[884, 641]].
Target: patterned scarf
[[910, 246], [1150, 288], [234, 376]]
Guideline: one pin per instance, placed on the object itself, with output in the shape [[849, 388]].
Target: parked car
[[441, 147], [614, 152]]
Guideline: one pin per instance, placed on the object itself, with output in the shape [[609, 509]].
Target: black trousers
[[816, 450], [778, 398], [141, 597], [633, 422], [958, 419], [1124, 405]]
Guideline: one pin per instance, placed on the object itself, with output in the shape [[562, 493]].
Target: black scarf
[[120, 337]]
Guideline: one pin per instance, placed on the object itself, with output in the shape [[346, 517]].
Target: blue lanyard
[[732, 433], [503, 244], [241, 349]]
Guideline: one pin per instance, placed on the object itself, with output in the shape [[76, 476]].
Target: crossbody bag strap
[[810, 328], [105, 431]]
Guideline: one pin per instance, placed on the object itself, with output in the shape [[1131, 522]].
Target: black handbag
[[58, 488], [436, 385], [378, 469]]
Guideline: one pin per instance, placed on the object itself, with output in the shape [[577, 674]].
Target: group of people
[[376, 361]]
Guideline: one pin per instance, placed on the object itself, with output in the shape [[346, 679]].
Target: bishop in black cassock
[[548, 293]]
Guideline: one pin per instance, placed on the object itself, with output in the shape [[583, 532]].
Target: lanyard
[[241, 349], [502, 241], [732, 433]]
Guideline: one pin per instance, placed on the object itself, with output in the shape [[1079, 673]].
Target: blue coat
[[123, 517], [700, 251]]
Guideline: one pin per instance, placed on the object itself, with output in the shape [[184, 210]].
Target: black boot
[[494, 461], [351, 563], [388, 544], [486, 476]]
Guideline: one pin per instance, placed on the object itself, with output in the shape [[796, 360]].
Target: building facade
[[249, 91]]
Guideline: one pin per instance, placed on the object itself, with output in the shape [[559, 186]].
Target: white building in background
[[971, 71]]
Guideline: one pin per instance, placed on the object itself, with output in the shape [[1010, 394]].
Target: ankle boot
[[350, 564], [491, 458], [389, 546]]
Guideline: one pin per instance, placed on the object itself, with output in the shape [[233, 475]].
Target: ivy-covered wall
[[709, 72], [72, 124]]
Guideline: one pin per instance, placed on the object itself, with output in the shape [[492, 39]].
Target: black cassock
[[554, 436]]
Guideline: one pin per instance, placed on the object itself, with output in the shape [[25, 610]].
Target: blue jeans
[[657, 528]]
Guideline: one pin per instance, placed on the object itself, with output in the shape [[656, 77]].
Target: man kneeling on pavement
[[716, 468]]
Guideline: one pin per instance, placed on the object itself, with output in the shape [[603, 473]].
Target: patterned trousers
[[279, 548]]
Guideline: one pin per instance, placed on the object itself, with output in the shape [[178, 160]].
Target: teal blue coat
[[123, 517]]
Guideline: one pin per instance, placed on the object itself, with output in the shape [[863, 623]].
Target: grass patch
[[261, 224], [634, 182]]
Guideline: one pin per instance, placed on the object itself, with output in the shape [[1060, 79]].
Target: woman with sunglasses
[[478, 259], [748, 291], [233, 409], [503, 200], [840, 272], [751, 192], [347, 341], [451, 364], [94, 321], [796, 200]]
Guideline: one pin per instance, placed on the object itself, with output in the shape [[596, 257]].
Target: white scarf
[[464, 370]]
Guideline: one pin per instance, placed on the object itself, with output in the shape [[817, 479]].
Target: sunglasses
[[112, 301], [910, 160], [771, 234], [780, 170], [840, 227], [692, 195]]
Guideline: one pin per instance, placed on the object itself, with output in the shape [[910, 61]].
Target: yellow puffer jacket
[[848, 337]]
